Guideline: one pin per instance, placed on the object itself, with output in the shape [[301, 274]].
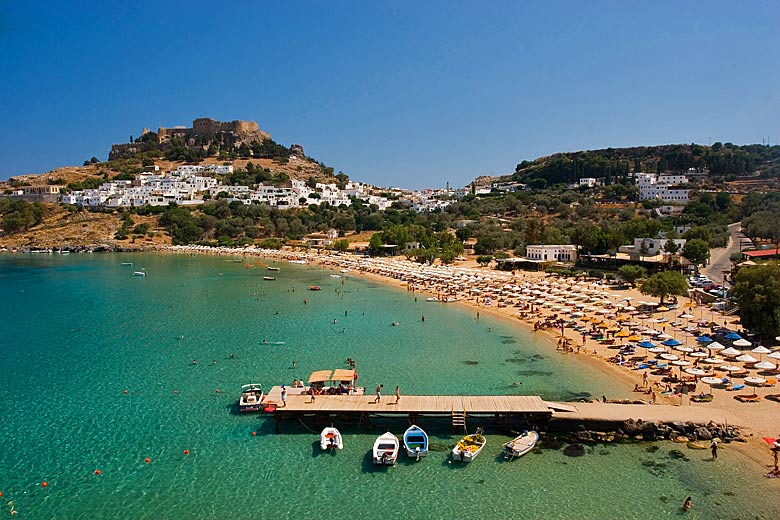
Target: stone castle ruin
[[204, 132]]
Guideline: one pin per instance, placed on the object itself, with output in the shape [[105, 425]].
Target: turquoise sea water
[[80, 329]]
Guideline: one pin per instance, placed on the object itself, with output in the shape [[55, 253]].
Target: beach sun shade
[[715, 346], [730, 368], [695, 371], [754, 380], [680, 363], [746, 358], [703, 339], [761, 350], [712, 380], [731, 351], [343, 374], [669, 357], [732, 336], [671, 342], [774, 355], [657, 350], [712, 361], [742, 343], [646, 344], [765, 365], [320, 376]]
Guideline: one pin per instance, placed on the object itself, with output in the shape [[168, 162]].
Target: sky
[[402, 93]]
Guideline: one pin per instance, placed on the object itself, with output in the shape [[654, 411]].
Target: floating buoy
[[254, 434], [186, 452], [147, 460], [44, 484], [125, 392], [98, 472], [1, 493]]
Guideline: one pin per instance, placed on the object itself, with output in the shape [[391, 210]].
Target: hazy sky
[[395, 93]]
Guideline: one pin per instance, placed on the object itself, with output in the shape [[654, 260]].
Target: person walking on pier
[[284, 396], [378, 393], [397, 395]]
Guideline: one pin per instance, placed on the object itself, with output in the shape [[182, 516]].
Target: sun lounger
[[769, 382], [735, 387], [773, 397], [748, 398], [702, 398]]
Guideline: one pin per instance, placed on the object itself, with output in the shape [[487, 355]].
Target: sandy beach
[[533, 300]]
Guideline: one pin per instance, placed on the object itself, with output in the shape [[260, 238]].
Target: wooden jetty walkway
[[409, 404], [529, 406]]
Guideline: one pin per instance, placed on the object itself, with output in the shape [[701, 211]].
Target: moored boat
[[416, 442], [251, 398], [330, 439], [315, 288], [520, 445], [469, 447], [126, 263], [139, 273], [269, 278], [385, 451], [271, 268]]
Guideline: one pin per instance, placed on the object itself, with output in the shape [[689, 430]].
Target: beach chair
[[770, 382], [748, 398], [731, 388]]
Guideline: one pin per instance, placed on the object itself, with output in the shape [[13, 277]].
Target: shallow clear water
[[80, 329]]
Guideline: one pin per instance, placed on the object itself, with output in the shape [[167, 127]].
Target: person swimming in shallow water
[[688, 504]]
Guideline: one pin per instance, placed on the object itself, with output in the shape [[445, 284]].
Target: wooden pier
[[442, 405]]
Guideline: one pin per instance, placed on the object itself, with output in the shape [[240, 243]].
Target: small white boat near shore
[[139, 273], [300, 262], [331, 439], [520, 445], [126, 263], [469, 447], [385, 451], [271, 268]]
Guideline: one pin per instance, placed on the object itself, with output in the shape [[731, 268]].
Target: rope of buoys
[[254, 434]]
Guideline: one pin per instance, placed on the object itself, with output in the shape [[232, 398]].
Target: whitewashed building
[[560, 253]]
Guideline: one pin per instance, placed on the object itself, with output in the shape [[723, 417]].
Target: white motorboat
[[520, 445], [127, 263], [251, 398], [330, 439], [269, 278], [469, 447], [416, 442], [300, 262], [271, 268], [139, 273], [386, 449]]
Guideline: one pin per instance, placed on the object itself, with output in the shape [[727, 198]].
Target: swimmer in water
[[688, 504], [194, 361]]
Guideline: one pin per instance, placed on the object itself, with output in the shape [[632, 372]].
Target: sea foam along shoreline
[[394, 271]]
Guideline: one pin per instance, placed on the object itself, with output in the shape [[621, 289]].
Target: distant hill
[[207, 142], [718, 160]]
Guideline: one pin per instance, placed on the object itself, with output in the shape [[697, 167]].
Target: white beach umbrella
[[730, 368], [742, 343], [765, 365], [774, 355], [670, 357], [658, 350], [746, 358], [712, 361], [695, 371], [715, 346], [755, 380], [731, 351], [698, 354], [687, 350], [761, 350], [681, 363]]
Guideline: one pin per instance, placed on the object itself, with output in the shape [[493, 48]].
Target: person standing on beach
[[397, 395], [714, 449], [644, 379], [378, 393]]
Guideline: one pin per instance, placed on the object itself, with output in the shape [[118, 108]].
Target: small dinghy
[[520, 445], [330, 439], [469, 447], [416, 442], [386, 449]]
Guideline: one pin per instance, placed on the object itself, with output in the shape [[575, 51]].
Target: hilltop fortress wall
[[202, 132]]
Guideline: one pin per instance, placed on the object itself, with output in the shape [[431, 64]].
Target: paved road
[[719, 257]]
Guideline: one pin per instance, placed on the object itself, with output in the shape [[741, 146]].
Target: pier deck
[[410, 404]]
